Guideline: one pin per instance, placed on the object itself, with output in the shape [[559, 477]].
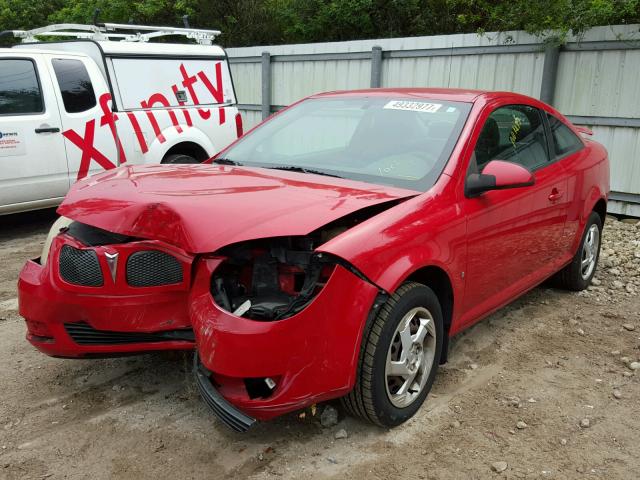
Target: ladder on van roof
[[112, 31]]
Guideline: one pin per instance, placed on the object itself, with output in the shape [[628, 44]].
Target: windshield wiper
[[226, 161], [293, 168]]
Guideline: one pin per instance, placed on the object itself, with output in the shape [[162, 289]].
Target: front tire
[[578, 274], [399, 357]]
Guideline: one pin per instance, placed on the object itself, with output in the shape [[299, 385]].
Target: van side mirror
[[498, 175]]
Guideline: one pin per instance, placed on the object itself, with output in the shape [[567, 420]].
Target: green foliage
[[259, 22], [545, 17]]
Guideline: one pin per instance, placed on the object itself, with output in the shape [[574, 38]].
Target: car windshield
[[393, 141]]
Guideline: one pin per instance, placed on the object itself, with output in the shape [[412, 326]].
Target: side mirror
[[498, 175]]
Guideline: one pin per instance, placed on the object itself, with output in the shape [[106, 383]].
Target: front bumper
[[311, 356], [70, 321], [227, 413]]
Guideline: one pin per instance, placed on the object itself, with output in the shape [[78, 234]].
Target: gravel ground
[[544, 388]]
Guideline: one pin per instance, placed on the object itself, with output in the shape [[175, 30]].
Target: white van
[[69, 109]]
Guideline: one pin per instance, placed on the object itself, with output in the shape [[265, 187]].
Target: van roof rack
[[112, 31]]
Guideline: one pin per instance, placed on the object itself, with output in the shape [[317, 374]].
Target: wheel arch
[[174, 141], [600, 208], [438, 280], [192, 149], [596, 202]]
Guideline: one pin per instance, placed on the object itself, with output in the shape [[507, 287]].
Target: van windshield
[[393, 141]]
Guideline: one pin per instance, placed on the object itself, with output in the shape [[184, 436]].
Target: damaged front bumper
[[306, 358], [66, 320], [226, 412]]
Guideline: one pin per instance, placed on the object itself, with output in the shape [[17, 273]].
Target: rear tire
[[176, 158], [578, 274], [396, 368]]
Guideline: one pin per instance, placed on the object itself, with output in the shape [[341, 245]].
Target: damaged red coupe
[[330, 252]]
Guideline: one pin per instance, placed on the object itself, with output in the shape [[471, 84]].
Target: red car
[[330, 252]]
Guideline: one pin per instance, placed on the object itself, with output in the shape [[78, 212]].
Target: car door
[[514, 235], [570, 152], [33, 164], [89, 140]]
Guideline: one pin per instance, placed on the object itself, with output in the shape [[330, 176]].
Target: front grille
[[151, 268], [80, 267], [85, 334]]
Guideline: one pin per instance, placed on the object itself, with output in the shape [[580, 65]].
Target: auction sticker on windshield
[[413, 106]]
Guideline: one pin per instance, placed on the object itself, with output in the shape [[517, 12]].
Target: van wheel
[[179, 158], [578, 274], [398, 357]]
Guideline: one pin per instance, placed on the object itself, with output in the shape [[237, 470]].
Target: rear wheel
[[179, 158], [399, 357], [578, 274]]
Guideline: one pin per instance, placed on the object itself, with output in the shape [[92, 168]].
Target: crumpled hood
[[201, 208]]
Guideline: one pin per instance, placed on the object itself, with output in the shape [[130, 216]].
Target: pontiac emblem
[[112, 263]]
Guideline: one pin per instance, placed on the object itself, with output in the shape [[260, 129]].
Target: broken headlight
[[270, 279]]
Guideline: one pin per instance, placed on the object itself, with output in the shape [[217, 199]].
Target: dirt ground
[[552, 359]]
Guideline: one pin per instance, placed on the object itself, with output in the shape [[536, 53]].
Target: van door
[[84, 100], [33, 165]]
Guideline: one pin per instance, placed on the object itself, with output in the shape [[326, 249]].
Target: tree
[[259, 22], [544, 18]]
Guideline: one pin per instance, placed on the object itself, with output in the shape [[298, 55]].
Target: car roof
[[450, 94]]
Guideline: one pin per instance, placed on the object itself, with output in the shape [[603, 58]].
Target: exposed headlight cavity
[[275, 278], [270, 279]]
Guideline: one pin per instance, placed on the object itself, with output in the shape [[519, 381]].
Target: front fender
[[429, 230]]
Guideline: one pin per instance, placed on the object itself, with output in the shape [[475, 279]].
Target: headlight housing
[[270, 279], [59, 224]]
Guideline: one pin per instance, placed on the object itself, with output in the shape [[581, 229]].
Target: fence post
[[266, 85], [376, 67], [549, 73]]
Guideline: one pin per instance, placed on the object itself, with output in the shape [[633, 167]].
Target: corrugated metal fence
[[594, 80]]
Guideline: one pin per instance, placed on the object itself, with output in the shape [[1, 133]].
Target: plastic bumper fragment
[[227, 413]]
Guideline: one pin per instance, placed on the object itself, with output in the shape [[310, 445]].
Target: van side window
[[565, 141], [75, 85], [19, 88], [514, 133]]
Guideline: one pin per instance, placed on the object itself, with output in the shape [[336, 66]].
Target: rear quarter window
[[19, 88], [565, 142], [75, 85]]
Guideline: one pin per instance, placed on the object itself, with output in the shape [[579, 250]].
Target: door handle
[[555, 195], [48, 130]]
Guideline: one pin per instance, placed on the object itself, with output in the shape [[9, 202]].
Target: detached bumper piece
[[227, 413], [85, 334]]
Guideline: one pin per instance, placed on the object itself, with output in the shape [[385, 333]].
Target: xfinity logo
[[112, 263]]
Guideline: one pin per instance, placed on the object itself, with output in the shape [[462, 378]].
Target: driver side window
[[514, 133]]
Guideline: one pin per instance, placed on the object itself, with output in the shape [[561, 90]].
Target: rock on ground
[[499, 467], [329, 417]]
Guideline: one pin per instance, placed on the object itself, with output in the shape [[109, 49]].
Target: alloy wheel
[[410, 357], [590, 251]]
